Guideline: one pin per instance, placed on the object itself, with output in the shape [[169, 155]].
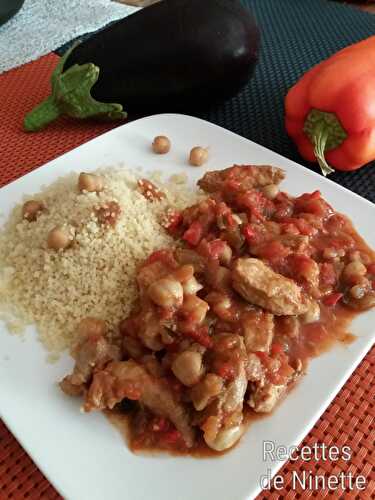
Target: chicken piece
[[255, 371], [92, 353], [247, 176], [235, 392], [71, 389], [258, 330], [128, 379], [264, 398], [259, 284]]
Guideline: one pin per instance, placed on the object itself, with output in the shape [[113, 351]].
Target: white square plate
[[83, 455]]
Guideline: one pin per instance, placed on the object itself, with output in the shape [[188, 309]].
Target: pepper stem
[[320, 139], [325, 133], [43, 114]]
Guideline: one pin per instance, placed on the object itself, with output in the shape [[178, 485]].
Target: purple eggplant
[[175, 55]]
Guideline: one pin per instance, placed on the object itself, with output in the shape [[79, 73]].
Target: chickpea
[[240, 218], [226, 255], [354, 271], [91, 326], [357, 292], [220, 304], [198, 156], [59, 238], [271, 191], [312, 314], [166, 292], [192, 286], [90, 183], [195, 308], [31, 209], [187, 367], [333, 253], [225, 438], [184, 273], [161, 145]]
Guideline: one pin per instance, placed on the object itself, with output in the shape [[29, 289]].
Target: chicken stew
[[226, 322]]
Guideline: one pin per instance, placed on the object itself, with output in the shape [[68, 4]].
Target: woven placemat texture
[[296, 34], [350, 418]]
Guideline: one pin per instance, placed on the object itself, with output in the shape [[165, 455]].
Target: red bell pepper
[[193, 234], [330, 112]]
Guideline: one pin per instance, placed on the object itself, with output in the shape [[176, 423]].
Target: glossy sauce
[[295, 342]]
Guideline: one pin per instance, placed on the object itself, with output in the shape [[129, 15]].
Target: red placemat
[[349, 420]]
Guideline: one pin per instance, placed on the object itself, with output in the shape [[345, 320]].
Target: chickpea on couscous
[[72, 250]]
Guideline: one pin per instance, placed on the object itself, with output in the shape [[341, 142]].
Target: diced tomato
[[304, 227], [303, 267], [226, 371], [287, 228], [312, 203], [160, 424], [263, 356], [232, 185], [274, 251], [172, 436], [315, 195], [249, 232], [336, 223], [162, 255], [327, 274], [253, 201], [230, 220], [315, 333], [194, 234], [342, 243], [371, 268], [332, 299], [174, 222], [276, 349], [216, 248]]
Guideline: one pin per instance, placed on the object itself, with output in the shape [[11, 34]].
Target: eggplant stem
[[71, 96], [42, 115]]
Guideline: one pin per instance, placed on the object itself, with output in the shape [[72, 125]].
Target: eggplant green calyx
[[325, 132], [71, 96]]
